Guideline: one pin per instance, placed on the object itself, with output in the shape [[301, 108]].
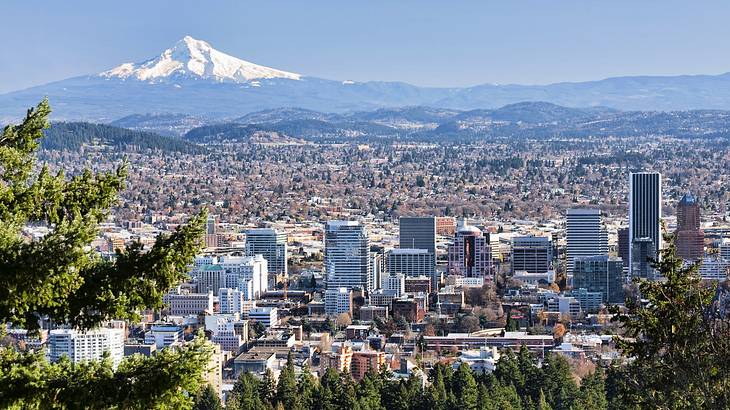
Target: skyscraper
[[532, 254], [347, 255], [586, 235], [645, 212], [470, 255], [600, 274], [690, 238], [271, 244], [642, 254], [623, 245], [418, 233]]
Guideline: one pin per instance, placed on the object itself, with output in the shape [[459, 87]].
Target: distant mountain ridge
[[192, 78], [521, 120]]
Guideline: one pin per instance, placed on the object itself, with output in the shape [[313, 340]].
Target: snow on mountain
[[196, 59]]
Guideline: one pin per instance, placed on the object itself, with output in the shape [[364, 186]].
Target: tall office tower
[[586, 235], [89, 345], [418, 233], [623, 246], [470, 255], [642, 253], [272, 245], [211, 225], [533, 254], [231, 300], [645, 212], [211, 232], [600, 274], [347, 255], [246, 273], [377, 269], [690, 238], [410, 262]]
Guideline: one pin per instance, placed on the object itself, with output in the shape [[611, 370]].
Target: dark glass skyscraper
[[418, 233], [645, 212]]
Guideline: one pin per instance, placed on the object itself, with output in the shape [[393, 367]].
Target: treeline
[[72, 136], [517, 383]]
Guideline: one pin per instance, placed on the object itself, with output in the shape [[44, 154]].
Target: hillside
[[74, 135]]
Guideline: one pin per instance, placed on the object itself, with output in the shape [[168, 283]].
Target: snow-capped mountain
[[195, 59], [194, 79]]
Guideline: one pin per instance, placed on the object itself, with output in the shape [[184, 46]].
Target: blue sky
[[432, 43]]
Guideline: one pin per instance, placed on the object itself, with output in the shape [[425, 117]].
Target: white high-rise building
[[270, 243], [84, 346], [396, 283], [268, 316], [645, 211], [338, 300], [586, 235], [249, 274], [231, 300], [163, 336], [246, 273], [347, 255]]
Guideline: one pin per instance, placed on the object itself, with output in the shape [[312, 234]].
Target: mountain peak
[[196, 59]]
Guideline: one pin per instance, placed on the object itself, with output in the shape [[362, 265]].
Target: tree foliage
[[679, 341], [60, 279]]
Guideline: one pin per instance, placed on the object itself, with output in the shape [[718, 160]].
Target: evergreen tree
[[592, 394], [531, 377], [508, 371], [436, 393], [542, 403], [679, 340], [306, 388], [245, 394], [558, 384], [60, 278], [286, 389], [465, 388], [347, 393], [368, 393], [329, 388], [267, 388], [506, 397], [484, 399], [207, 399]]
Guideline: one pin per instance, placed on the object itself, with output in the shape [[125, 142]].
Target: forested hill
[[74, 135]]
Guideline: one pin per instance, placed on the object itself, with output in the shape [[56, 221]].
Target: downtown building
[[602, 274], [690, 239], [470, 255], [416, 234], [272, 245], [410, 262], [248, 274], [347, 263], [81, 346], [532, 254], [645, 213], [585, 234]]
